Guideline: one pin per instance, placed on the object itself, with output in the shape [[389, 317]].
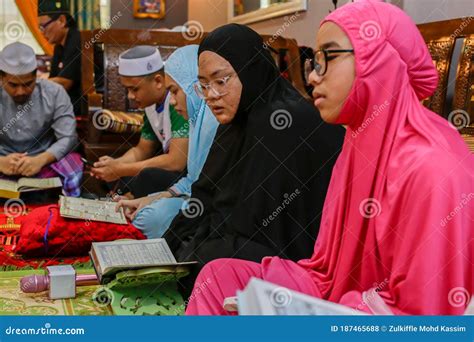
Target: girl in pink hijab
[[397, 232]]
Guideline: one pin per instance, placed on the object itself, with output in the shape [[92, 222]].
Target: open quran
[[93, 210], [12, 189], [109, 258]]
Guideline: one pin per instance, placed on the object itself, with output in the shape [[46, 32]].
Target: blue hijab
[[182, 67]]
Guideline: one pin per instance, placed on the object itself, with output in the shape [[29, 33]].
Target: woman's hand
[[132, 207]]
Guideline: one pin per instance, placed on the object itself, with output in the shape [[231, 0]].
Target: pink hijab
[[397, 231]]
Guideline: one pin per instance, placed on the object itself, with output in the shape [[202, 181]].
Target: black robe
[[262, 188]]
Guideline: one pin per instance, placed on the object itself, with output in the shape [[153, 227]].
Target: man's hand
[[107, 169], [9, 163], [132, 207], [103, 160], [30, 166]]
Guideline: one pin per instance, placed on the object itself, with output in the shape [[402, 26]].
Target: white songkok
[[18, 59], [140, 61]]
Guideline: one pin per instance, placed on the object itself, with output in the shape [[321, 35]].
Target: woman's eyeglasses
[[42, 27], [218, 86], [320, 62]]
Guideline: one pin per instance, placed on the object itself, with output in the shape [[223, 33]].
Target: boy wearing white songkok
[[141, 73]]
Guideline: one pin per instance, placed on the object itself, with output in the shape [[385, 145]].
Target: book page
[[133, 253], [8, 185], [87, 209], [39, 183], [264, 298]]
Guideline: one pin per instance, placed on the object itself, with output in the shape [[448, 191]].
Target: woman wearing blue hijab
[[153, 214]]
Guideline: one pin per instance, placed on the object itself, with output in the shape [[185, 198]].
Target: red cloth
[[66, 237]]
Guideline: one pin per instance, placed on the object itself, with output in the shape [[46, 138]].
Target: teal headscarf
[[182, 67]]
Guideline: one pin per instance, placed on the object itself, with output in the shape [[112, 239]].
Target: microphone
[[38, 283]]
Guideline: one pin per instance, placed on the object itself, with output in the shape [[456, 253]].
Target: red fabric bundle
[[45, 233]]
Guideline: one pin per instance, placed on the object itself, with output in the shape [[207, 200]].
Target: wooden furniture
[[451, 44]]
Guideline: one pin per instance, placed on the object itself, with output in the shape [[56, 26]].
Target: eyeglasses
[[320, 62], [218, 86], [42, 27]]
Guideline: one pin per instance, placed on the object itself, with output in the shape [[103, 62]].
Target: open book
[[93, 210], [109, 258], [263, 298], [12, 189]]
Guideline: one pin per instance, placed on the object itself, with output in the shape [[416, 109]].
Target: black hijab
[[264, 182]]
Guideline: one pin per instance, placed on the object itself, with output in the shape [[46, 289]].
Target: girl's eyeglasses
[[218, 86], [320, 61]]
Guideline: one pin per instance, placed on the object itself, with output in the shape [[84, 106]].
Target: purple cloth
[[70, 169]]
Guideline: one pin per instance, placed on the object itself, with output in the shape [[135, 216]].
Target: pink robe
[[397, 232]]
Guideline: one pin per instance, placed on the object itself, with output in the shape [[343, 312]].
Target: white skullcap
[[18, 59], [140, 61]]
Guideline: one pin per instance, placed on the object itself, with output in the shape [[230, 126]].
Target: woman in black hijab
[[263, 186]]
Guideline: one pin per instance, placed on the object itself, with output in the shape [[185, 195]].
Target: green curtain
[[86, 13]]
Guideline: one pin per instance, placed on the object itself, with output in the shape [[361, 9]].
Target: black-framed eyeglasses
[[42, 27], [320, 61]]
